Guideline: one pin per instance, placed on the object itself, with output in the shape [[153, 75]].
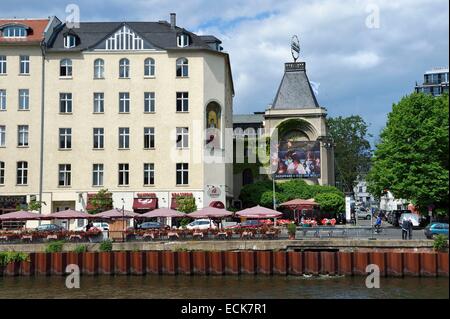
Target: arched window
[[183, 40], [124, 68], [70, 41], [213, 125], [65, 68], [99, 69], [14, 32], [149, 67], [182, 67]]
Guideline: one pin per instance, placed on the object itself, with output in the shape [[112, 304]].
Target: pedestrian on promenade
[[410, 228], [405, 227]]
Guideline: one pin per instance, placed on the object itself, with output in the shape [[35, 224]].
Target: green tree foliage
[[352, 149], [102, 201], [330, 202], [261, 193], [412, 157], [186, 204]]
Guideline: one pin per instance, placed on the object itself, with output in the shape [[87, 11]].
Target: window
[[124, 174], [124, 68], [124, 137], [14, 32], [97, 175], [182, 101], [22, 173], [124, 102], [65, 102], [2, 100], [2, 173], [99, 136], [149, 102], [124, 39], [149, 174], [99, 69], [99, 102], [183, 40], [182, 137], [24, 100], [182, 174], [149, 137], [64, 175], [65, 138], [182, 67], [3, 64], [24, 64], [149, 67], [65, 68], [2, 136], [23, 135], [70, 41]]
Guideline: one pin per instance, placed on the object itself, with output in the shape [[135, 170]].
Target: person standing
[[410, 228], [405, 227]]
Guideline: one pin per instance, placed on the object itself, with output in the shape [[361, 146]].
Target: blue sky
[[360, 69]]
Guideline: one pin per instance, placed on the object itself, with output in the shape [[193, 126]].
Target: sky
[[362, 55]]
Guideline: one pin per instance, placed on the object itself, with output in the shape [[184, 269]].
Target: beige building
[[125, 107]]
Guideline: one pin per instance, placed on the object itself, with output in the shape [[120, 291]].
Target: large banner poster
[[298, 160]]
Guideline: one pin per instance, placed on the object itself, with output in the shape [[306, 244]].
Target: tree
[[330, 202], [352, 149], [101, 202], [412, 160], [186, 204]]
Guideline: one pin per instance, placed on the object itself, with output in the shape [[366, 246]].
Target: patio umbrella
[[258, 212], [163, 212], [68, 214], [20, 216], [300, 202], [210, 212], [116, 213]]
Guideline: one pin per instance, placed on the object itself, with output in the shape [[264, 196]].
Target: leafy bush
[[80, 249], [106, 245], [186, 204], [55, 247], [7, 257], [292, 229], [330, 202], [251, 194], [184, 221], [440, 243], [267, 199]]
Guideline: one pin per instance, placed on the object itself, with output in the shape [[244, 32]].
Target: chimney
[[173, 20]]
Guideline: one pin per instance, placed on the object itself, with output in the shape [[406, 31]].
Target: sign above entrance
[[214, 191]]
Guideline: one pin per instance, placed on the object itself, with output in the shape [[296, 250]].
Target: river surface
[[223, 287]]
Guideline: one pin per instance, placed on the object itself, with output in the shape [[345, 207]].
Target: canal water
[[228, 287]]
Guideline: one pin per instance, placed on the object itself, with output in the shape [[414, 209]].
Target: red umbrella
[[20, 216], [116, 213], [68, 214], [163, 212], [300, 202], [258, 212], [210, 212]]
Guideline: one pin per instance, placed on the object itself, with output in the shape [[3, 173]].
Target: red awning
[[217, 204], [173, 203], [145, 203]]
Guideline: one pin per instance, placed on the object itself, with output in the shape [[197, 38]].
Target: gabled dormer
[[124, 39]]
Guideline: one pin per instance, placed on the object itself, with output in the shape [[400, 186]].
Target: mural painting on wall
[[213, 125]]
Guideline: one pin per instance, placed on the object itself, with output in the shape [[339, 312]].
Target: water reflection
[[259, 287]]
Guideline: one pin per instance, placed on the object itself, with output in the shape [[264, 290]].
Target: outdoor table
[[74, 237], [197, 234], [222, 235], [27, 237], [270, 234], [3, 238], [49, 237], [246, 234], [147, 235]]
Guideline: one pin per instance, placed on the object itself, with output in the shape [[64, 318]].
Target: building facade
[[435, 82], [362, 195], [125, 106]]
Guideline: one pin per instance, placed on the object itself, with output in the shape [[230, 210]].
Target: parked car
[[394, 216], [201, 224], [436, 229], [49, 228], [100, 225], [414, 218], [363, 213]]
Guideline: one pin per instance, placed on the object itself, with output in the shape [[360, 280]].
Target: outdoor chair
[[197, 235], [173, 234]]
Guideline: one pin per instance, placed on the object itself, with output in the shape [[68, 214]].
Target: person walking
[[405, 227], [410, 228]]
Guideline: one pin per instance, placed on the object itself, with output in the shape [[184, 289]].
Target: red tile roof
[[35, 31]]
